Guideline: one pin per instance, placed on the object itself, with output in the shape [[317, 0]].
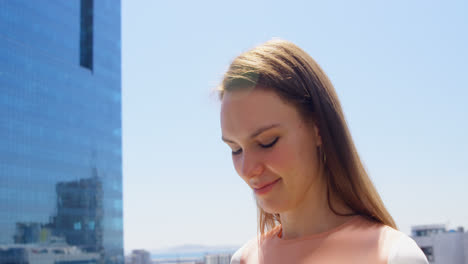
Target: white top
[[393, 246], [405, 251]]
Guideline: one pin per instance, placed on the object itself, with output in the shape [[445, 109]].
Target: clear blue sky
[[399, 67]]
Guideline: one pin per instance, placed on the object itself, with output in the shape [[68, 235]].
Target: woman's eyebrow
[[256, 133]]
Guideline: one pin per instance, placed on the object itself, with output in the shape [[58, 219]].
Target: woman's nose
[[251, 165]]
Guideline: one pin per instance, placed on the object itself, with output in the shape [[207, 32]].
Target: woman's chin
[[271, 207]]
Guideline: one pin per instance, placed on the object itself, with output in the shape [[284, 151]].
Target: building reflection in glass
[[79, 213], [75, 233], [60, 132]]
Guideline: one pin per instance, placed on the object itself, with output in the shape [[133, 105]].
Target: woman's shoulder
[[404, 250], [244, 250], [249, 251], [236, 258], [398, 247]]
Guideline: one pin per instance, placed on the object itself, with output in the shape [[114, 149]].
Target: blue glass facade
[[60, 132]]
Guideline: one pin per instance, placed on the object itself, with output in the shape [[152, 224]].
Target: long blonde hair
[[284, 68]]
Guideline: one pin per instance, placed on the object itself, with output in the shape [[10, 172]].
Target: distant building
[[441, 245], [218, 258], [139, 257]]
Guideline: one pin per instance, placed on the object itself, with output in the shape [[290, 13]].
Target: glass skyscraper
[[60, 132]]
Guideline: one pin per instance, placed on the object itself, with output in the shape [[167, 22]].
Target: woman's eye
[[237, 152], [270, 144]]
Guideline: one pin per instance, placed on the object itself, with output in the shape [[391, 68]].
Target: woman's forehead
[[243, 112]]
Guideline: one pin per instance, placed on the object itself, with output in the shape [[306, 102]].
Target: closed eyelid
[[233, 146], [267, 145], [271, 143], [255, 134], [261, 142]]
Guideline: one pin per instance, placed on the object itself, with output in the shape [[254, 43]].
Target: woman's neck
[[312, 215]]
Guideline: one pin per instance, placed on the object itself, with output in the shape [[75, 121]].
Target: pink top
[[356, 241]]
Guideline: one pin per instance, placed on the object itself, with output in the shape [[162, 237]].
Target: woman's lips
[[266, 188]]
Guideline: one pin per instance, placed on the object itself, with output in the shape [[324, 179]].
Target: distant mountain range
[[192, 248], [195, 248]]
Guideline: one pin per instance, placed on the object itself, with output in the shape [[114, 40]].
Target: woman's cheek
[[280, 158]]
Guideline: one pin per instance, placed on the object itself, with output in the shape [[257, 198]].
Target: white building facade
[[218, 259], [140, 257], [440, 245]]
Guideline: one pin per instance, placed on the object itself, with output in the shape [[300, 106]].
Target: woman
[[290, 143]]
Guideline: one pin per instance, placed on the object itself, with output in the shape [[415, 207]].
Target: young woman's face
[[274, 150]]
